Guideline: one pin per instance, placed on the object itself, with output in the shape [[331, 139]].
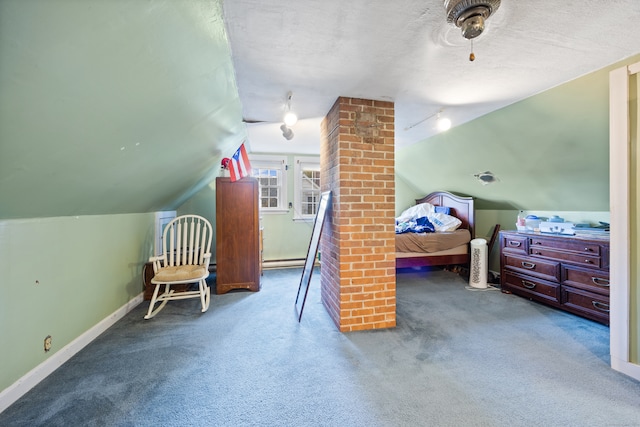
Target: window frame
[[278, 163], [301, 164]]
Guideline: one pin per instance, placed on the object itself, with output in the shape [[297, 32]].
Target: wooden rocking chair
[[186, 243]]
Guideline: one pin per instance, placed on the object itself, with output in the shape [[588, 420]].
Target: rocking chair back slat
[[190, 245], [178, 243], [172, 244], [183, 243], [196, 245], [202, 243]]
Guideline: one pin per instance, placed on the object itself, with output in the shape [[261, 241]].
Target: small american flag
[[239, 166]]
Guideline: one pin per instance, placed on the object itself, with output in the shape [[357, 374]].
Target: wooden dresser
[[567, 272], [238, 259]]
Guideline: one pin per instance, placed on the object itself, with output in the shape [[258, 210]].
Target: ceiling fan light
[[290, 118], [472, 27]]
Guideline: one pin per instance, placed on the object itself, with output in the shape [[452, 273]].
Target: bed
[[460, 207]]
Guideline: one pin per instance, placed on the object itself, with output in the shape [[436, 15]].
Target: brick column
[[358, 278]]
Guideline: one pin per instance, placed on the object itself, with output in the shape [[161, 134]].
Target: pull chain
[[472, 56]]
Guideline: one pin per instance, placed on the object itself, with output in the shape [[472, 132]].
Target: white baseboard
[[626, 368], [16, 390]]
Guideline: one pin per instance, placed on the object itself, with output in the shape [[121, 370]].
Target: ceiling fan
[[470, 16]]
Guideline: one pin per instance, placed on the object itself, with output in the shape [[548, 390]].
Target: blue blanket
[[420, 225]]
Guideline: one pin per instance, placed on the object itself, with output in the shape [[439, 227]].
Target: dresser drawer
[[514, 244], [587, 304], [531, 287], [577, 258], [544, 269], [589, 280], [588, 248]]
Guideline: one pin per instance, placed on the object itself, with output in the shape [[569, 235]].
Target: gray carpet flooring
[[456, 358]]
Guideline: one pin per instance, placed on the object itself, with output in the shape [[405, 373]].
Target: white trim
[[627, 368], [162, 219], [298, 163], [619, 206], [273, 162], [619, 211], [265, 158], [16, 390]]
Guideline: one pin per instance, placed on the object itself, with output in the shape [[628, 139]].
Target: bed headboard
[[461, 207]]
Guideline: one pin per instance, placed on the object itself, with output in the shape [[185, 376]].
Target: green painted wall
[[550, 153], [111, 107], [284, 238], [60, 277]]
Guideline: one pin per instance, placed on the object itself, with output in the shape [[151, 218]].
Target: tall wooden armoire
[[238, 260]]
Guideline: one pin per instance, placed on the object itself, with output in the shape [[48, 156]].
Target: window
[[307, 187], [271, 173]]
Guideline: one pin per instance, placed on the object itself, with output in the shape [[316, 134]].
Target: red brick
[[358, 276]]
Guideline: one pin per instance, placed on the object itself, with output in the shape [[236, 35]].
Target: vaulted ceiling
[[128, 106], [406, 52]]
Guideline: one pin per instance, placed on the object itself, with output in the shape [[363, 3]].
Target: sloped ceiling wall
[[128, 106], [549, 152], [112, 106]]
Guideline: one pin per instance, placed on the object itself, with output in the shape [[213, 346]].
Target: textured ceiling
[[404, 51]]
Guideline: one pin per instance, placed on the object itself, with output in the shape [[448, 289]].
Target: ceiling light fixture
[[470, 16], [286, 132], [442, 123], [290, 118]]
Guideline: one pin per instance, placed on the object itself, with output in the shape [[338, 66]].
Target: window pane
[[309, 190], [270, 182]]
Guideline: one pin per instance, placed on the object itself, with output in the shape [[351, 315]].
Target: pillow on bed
[[443, 209], [444, 222], [415, 212]]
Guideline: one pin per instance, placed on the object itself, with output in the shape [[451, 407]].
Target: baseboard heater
[[279, 263], [283, 263]]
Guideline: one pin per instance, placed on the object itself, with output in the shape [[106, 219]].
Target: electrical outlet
[[47, 343]]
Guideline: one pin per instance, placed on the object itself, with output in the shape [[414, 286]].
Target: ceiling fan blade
[[250, 121]]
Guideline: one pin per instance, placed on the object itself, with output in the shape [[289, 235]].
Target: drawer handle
[[528, 265], [528, 285], [514, 243], [599, 281], [588, 261], [600, 306], [588, 250]]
